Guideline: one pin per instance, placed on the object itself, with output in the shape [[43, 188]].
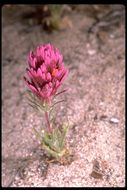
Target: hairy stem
[[48, 122]]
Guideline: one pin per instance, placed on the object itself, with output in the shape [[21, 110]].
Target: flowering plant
[[45, 74]]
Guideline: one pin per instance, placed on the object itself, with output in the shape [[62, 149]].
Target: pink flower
[[45, 72]]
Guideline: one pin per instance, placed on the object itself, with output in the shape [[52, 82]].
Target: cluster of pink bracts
[[46, 71]]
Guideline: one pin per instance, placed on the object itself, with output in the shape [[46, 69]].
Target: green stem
[[48, 122]]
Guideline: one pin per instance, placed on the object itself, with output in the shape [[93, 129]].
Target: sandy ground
[[94, 105]]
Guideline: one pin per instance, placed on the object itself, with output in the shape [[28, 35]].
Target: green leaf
[[47, 139], [62, 140], [53, 153], [55, 143], [36, 103]]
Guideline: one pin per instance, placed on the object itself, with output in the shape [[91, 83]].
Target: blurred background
[[94, 22], [56, 16]]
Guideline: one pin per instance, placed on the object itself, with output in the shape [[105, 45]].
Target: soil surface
[[94, 52]]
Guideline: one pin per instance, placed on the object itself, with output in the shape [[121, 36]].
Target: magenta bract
[[45, 71]]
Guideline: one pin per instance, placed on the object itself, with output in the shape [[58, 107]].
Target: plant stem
[[48, 122]]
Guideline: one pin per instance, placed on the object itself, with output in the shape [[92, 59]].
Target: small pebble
[[114, 120], [112, 36], [91, 52]]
